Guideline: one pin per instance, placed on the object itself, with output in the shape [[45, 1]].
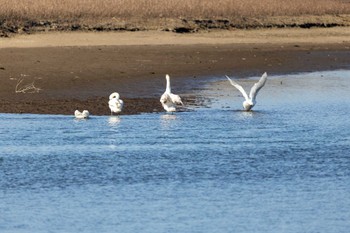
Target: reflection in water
[[242, 114], [167, 119], [247, 114], [113, 120], [80, 119]]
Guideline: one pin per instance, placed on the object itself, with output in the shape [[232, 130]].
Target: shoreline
[[80, 70], [320, 36]]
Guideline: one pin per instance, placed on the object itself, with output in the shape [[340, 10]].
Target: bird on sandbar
[[250, 100], [168, 99], [115, 104]]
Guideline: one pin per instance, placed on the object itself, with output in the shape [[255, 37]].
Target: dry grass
[[29, 16], [93, 10]]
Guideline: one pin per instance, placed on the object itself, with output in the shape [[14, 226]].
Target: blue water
[[285, 167]]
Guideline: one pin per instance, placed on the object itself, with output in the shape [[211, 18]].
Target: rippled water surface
[[285, 167]]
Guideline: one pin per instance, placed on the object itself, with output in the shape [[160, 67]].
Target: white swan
[[81, 115], [250, 101], [115, 104], [168, 99]]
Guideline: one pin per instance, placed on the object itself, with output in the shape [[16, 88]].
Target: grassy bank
[[24, 15]]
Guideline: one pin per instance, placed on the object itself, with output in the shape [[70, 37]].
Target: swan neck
[[168, 88]]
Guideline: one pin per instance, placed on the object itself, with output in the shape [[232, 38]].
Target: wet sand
[[80, 70]]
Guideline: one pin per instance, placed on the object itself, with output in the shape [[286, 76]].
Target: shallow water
[[282, 168]]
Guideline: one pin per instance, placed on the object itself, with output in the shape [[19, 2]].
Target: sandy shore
[[80, 70]]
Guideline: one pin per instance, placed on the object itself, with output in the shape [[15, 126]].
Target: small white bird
[[81, 115], [115, 104], [168, 99], [250, 101]]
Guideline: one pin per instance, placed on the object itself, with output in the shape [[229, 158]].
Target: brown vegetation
[[72, 10], [23, 15]]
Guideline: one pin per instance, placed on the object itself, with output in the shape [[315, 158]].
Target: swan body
[[81, 115], [250, 100], [115, 104], [168, 99]]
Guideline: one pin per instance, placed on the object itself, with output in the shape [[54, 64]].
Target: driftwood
[[26, 88]]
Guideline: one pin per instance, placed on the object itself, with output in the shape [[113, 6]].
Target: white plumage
[[250, 100], [115, 104], [81, 115], [168, 99]]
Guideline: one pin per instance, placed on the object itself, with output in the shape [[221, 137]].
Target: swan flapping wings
[[250, 100]]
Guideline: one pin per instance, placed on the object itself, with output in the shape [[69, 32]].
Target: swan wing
[[112, 103], [167, 103], [257, 86], [120, 103], [239, 87], [164, 98], [85, 114], [176, 99], [77, 113]]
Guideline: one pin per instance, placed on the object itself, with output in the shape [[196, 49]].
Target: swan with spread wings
[[250, 100]]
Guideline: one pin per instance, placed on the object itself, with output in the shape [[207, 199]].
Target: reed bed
[[94, 10]]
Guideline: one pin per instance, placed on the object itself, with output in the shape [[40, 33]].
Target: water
[[282, 168]]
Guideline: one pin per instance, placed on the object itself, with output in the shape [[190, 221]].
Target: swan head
[[248, 104], [114, 95]]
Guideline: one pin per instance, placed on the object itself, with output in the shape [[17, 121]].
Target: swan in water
[[168, 99], [115, 104], [81, 115], [250, 101]]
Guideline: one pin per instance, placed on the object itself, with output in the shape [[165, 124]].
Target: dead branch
[[26, 88]]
